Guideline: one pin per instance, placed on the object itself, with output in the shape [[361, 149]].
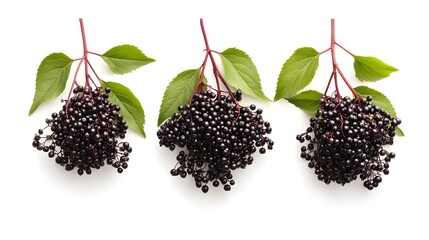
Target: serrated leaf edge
[[68, 66], [254, 94]]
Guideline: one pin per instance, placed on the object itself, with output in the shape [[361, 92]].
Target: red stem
[[322, 52], [203, 67], [329, 83], [348, 84], [345, 49], [209, 53], [217, 84], [85, 53], [337, 89], [335, 66], [334, 59], [205, 36], [215, 67], [88, 79], [216, 71], [95, 53], [73, 83], [200, 82], [96, 75]]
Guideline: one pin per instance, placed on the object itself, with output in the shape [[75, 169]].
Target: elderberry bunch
[[218, 135], [345, 141], [84, 134]]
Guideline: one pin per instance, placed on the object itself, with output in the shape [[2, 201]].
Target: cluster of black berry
[[219, 137], [345, 140], [84, 134]]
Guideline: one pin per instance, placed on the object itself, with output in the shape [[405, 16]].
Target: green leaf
[[241, 73], [131, 108], [399, 132], [378, 98], [51, 79], [125, 58], [177, 93], [297, 72], [308, 101], [371, 69]]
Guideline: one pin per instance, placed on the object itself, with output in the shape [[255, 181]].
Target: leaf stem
[[322, 52], [347, 51], [93, 53]]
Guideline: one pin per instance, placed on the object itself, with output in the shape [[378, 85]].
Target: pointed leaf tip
[[371, 69], [125, 58], [399, 132], [130, 106], [51, 79], [178, 92], [297, 72], [241, 73]]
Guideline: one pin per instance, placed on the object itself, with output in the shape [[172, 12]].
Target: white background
[[277, 197]]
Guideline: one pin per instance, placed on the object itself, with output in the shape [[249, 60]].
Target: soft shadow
[[99, 180]]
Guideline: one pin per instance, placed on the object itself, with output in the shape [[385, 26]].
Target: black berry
[[85, 133], [218, 137], [345, 141]]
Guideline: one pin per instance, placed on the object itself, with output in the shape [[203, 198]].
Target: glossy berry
[[204, 188], [345, 141], [217, 137], [84, 133]]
